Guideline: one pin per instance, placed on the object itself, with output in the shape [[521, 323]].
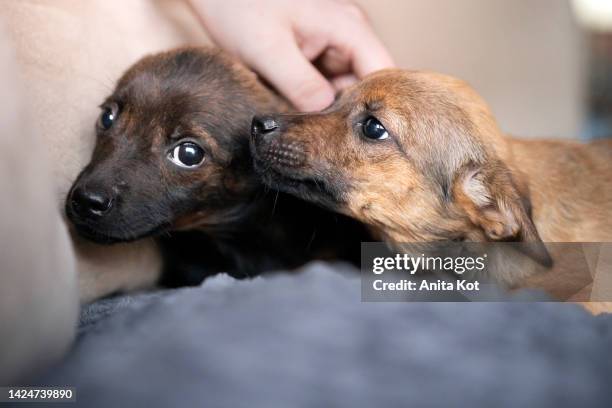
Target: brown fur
[[445, 173]]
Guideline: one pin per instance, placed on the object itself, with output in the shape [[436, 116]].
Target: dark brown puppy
[[419, 157], [172, 153]]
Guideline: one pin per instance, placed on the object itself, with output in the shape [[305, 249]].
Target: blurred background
[[544, 66]]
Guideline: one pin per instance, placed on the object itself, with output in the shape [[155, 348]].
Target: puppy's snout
[[263, 125], [89, 203], [273, 146]]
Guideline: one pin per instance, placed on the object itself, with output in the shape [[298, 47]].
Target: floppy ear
[[493, 203]]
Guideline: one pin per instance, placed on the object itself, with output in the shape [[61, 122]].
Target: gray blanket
[[307, 340]]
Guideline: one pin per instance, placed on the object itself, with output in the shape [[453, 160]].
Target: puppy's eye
[[187, 154], [373, 129], [108, 116]]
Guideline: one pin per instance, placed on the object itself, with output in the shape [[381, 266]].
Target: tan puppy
[[418, 156]]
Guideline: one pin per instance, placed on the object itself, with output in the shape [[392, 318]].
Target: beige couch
[[71, 53], [65, 56], [59, 60], [38, 297]]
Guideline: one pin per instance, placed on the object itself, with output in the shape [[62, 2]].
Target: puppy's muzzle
[[272, 147]]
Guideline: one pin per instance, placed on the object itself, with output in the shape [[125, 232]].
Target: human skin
[[308, 49]]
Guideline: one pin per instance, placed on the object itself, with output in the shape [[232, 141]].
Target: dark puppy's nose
[[263, 125], [90, 203]]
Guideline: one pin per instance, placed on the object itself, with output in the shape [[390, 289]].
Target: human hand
[[307, 49]]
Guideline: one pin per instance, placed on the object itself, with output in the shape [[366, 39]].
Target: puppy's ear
[[492, 202]]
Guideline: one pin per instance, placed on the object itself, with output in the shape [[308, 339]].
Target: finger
[[369, 55], [292, 74], [342, 82], [333, 62], [367, 52]]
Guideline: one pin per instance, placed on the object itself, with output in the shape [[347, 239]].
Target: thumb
[[294, 76]]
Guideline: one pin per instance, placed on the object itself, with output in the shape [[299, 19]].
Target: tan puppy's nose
[[263, 125]]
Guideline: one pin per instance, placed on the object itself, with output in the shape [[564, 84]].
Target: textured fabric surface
[[308, 340]]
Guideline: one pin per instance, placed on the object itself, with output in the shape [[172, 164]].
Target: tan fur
[[447, 171], [571, 187]]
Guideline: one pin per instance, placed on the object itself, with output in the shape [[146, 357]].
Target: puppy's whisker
[[318, 186], [107, 83], [312, 238], [274, 204]]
